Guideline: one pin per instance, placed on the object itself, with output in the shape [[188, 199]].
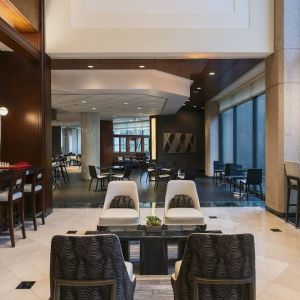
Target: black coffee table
[[153, 245]]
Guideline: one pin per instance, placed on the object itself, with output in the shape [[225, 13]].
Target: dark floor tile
[[25, 285]]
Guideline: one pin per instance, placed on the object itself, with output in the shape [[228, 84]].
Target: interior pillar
[[211, 136], [90, 142], [282, 102]]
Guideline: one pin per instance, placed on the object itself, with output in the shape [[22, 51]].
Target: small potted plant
[[153, 224]]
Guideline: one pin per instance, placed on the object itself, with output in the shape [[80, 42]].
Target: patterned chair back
[[16, 185], [82, 259], [217, 266]]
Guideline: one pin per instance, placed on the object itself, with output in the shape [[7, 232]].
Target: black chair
[[89, 267], [34, 191], [254, 179], [126, 174], [218, 170], [216, 266], [94, 175], [292, 170], [189, 174], [11, 197], [161, 175], [232, 174], [146, 169]]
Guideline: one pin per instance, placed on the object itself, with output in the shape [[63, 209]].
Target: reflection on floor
[[277, 253], [76, 193]]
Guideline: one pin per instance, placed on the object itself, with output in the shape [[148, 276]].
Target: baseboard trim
[[275, 212]]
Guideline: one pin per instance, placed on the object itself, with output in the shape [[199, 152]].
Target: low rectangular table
[[153, 245]]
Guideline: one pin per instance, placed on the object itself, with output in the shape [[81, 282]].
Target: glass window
[[260, 132], [227, 136], [132, 145], [123, 144], [146, 145], [116, 144], [244, 134], [138, 144]]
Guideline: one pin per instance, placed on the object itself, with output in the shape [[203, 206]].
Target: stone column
[[282, 102], [90, 142], [211, 136]]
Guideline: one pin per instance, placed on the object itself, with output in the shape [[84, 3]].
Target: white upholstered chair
[[120, 216], [182, 215]]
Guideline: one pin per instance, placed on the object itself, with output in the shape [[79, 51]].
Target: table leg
[[153, 257]]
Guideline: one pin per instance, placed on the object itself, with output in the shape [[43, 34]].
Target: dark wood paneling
[[227, 71], [182, 122], [14, 40], [106, 143]]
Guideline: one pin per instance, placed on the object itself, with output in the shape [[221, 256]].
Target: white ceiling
[[109, 105], [159, 29], [145, 92]]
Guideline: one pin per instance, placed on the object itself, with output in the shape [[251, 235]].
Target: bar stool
[[292, 169], [14, 195], [34, 191]]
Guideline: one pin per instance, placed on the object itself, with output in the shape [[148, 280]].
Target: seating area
[[149, 150]]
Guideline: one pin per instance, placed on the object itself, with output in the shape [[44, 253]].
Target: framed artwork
[[179, 143]]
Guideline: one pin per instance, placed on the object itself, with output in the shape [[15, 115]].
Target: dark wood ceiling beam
[[14, 40]]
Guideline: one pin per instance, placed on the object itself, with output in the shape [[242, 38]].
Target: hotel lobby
[[149, 150]]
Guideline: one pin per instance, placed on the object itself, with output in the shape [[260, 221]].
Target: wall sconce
[[3, 111]]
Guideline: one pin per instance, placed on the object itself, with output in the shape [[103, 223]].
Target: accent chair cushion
[[121, 201], [119, 216], [181, 201], [184, 216], [4, 196]]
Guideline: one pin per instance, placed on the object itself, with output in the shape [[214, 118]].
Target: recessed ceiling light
[[142, 67], [140, 113], [199, 88], [91, 67], [139, 108], [125, 103], [83, 101], [93, 108], [211, 73]]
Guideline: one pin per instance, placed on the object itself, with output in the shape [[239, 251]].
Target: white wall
[[156, 28]]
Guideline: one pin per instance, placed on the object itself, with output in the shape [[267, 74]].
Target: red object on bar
[[22, 165]]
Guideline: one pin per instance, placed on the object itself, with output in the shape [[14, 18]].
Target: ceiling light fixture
[[83, 101], [125, 103], [139, 108], [142, 67], [94, 108], [211, 73], [91, 67]]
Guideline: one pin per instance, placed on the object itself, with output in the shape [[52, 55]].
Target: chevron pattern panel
[[179, 143]]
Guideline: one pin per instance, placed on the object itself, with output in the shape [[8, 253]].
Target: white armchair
[[182, 215], [120, 216]]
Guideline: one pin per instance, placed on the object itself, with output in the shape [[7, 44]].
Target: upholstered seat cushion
[[118, 176], [180, 176], [129, 268], [184, 216], [102, 176], [27, 188], [4, 196], [164, 175], [119, 216], [150, 170], [177, 269]]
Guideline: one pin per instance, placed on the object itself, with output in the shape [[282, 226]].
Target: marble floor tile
[[277, 254]]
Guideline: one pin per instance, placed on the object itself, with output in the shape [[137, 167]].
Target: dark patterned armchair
[[216, 267], [89, 268]]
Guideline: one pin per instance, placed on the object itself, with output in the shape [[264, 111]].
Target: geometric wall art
[[179, 143]]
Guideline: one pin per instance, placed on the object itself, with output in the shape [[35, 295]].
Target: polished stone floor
[[76, 194], [277, 253]]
